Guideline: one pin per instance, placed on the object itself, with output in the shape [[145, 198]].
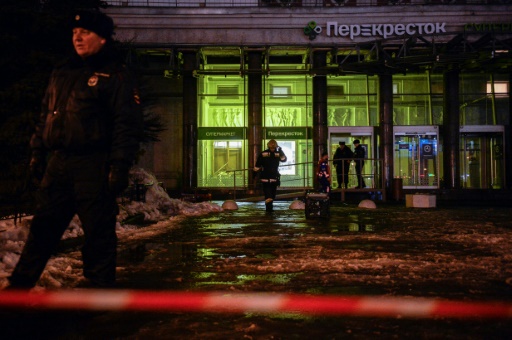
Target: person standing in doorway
[[90, 127], [323, 173], [359, 156], [267, 165], [342, 158]]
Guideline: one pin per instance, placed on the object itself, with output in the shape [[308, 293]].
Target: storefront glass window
[[352, 101], [474, 106], [501, 98], [436, 97], [411, 100], [478, 106], [221, 131], [287, 118]]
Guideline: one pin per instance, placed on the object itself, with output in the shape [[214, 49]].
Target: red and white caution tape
[[127, 300]]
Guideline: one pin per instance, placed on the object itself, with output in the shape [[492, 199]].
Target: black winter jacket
[[342, 155], [268, 164], [91, 105], [359, 154]]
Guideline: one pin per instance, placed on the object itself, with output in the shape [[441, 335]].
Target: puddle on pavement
[[353, 227], [183, 255], [348, 290], [241, 279], [247, 222]]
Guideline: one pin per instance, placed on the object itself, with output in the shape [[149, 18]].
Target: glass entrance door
[[481, 160], [348, 135], [416, 157]]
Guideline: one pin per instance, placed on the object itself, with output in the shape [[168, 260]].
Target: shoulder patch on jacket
[[93, 80], [136, 96]]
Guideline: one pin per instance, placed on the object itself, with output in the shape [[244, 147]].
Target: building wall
[[284, 28], [165, 157]]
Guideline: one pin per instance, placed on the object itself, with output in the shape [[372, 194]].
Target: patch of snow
[[158, 209]]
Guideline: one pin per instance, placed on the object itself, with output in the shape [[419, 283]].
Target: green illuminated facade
[[222, 127], [352, 102], [424, 87]]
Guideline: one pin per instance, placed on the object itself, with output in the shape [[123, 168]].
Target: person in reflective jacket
[[267, 166], [323, 172], [82, 149]]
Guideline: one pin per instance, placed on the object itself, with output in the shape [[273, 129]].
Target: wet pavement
[[456, 253]]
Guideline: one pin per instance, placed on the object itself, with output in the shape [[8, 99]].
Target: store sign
[[287, 133], [428, 150], [334, 29], [220, 133], [489, 27]]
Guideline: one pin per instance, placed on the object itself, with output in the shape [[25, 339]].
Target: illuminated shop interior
[[352, 113]]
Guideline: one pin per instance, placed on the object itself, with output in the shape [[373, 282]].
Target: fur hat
[[95, 21], [342, 143], [356, 141]]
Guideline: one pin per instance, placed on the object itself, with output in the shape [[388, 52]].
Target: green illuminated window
[[351, 101], [436, 97], [221, 132], [479, 104], [287, 118], [411, 99]]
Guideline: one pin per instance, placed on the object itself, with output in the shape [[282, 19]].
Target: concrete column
[[319, 108], [451, 127], [386, 147], [189, 121], [254, 108]]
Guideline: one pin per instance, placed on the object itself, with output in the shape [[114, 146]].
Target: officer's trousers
[[73, 184], [342, 174], [269, 191]]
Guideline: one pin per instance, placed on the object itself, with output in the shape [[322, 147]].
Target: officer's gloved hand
[[118, 178], [255, 174], [37, 167]]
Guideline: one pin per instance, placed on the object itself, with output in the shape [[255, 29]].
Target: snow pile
[[158, 206]]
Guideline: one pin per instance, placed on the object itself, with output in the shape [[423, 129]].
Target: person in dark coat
[[323, 172], [342, 159], [359, 156], [267, 165], [83, 147]]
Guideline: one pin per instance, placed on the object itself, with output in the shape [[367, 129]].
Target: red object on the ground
[[130, 300]]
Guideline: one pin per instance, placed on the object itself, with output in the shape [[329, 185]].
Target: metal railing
[[305, 178], [295, 3]]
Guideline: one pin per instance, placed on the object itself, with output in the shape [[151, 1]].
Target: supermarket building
[[424, 85]]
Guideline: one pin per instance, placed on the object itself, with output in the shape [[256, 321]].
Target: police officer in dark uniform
[[89, 131], [267, 165], [341, 161], [359, 156]]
